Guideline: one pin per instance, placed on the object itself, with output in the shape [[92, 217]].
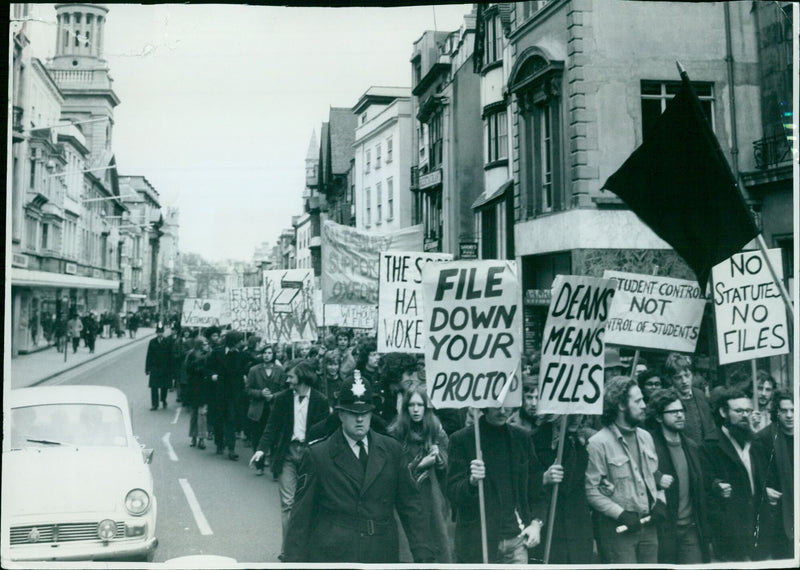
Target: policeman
[[349, 486]]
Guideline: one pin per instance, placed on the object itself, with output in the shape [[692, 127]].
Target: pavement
[[33, 369]]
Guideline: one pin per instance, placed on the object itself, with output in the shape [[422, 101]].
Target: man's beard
[[630, 420], [740, 433]]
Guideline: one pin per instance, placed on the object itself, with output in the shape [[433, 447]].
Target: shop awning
[[30, 278], [485, 199]]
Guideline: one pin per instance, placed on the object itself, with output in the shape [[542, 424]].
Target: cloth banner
[[650, 311], [247, 309], [289, 308], [750, 314], [352, 316], [400, 307], [350, 261], [473, 333], [573, 343], [201, 312]]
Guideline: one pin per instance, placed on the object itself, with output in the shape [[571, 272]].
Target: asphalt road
[[207, 504]]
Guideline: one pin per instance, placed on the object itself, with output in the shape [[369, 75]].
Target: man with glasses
[[734, 477], [700, 425], [682, 535]]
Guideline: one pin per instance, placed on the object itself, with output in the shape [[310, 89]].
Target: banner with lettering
[[400, 313], [473, 333], [352, 316], [573, 343], [350, 259], [201, 312], [650, 311], [247, 309], [750, 314], [289, 306]]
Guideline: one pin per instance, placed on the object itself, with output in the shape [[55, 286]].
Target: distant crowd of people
[[368, 471]]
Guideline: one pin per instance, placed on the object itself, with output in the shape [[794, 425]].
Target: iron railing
[[771, 151]]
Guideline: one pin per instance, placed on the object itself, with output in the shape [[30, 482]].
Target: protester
[[351, 484], [284, 440], [197, 393], [264, 381], [347, 362], [649, 381], [367, 360], [734, 480], [397, 370], [683, 534], [775, 447], [700, 425], [512, 486], [525, 416], [613, 363], [622, 456], [161, 367], [183, 347], [424, 444], [330, 380], [227, 368], [765, 385]]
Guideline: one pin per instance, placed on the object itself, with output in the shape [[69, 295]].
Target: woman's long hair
[[402, 426]]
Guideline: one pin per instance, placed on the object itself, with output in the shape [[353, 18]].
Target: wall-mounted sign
[[538, 297], [97, 273], [430, 179], [468, 250], [70, 268], [19, 260]]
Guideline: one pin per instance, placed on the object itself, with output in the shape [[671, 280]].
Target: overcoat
[[278, 434], [257, 380], [160, 363], [345, 514], [198, 384]]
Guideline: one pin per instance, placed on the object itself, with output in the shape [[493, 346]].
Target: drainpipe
[[731, 92]]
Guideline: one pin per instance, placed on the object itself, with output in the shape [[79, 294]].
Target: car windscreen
[[67, 424]]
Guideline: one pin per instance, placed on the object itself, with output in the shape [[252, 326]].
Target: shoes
[[154, 408], [233, 456], [164, 405], [194, 442], [259, 472], [220, 451], [201, 444]]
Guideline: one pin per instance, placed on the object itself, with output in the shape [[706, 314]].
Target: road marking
[[194, 504], [170, 451], [177, 414]]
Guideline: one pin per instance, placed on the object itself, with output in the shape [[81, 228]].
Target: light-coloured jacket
[[610, 457]]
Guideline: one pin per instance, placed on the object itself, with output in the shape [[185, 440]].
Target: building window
[[378, 156], [545, 143], [489, 233], [388, 150], [496, 128], [368, 161], [31, 232], [378, 203], [389, 199], [368, 210], [435, 137], [494, 41], [655, 95], [33, 174], [45, 236]]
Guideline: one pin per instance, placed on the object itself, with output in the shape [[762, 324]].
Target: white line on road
[[170, 451], [194, 504], [177, 414]]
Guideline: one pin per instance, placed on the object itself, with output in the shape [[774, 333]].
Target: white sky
[[219, 101]]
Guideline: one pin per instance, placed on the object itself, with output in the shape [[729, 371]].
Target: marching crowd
[[369, 472]]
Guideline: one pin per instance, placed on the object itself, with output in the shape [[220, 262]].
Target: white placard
[[201, 312]]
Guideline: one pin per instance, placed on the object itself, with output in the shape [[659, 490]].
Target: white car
[[76, 483]]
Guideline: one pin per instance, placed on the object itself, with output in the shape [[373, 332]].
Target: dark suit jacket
[[230, 369], [777, 455], [667, 530], [526, 479], [278, 434], [335, 499], [160, 363], [731, 520], [257, 380]]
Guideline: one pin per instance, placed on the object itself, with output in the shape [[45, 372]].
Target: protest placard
[[571, 368], [650, 311], [473, 333], [201, 312], [750, 314], [400, 306], [352, 316], [350, 261], [247, 309], [289, 306]]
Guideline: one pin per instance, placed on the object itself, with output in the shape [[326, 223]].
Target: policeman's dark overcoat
[[344, 514]]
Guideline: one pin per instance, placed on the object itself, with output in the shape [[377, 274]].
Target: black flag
[[680, 184]]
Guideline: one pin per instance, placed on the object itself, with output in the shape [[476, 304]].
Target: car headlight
[[137, 502], [106, 529]]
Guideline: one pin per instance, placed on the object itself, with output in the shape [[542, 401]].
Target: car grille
[[65, 532]]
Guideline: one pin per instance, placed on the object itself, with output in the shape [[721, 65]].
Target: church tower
[[82, 75]]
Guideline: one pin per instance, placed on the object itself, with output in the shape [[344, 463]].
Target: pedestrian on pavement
[[424, 444], [735, 478], [265, 380], [348, 489], [197, 393], [622, 456], [133, 324], [512, 487], [74, 331], [60, 333], [161, 367], [90, 329], [683, 535], [284, 440], [700, 425], [775, 445], [227, 368]]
